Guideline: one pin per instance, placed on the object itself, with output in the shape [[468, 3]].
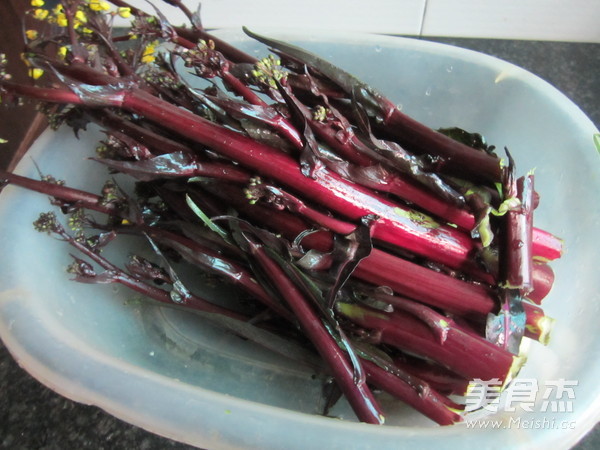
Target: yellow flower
[[98, 5], [35, 73], [87, 30], [58, 9], [61, 20], [31, 34], [147, 59], [80, 15], [125, 13], [148, 54], [37, 2], [62, 51], [40, 14]]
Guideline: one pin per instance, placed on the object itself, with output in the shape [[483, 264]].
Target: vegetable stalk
[[356, 391], [461, 352]]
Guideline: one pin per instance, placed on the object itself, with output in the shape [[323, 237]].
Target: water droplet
[[449, 69], [399, 106], [378, 49], [428, 91], [151, 353]]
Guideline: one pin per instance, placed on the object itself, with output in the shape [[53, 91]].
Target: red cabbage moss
[[403, 256]]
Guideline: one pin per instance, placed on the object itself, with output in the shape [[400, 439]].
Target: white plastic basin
[[175, 375]]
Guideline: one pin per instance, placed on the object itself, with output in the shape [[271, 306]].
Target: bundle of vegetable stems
[[405, 257]]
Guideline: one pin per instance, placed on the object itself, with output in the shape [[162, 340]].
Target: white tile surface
[[560, 20], [379, 16]]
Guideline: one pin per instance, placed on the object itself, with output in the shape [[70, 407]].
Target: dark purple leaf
[[348, 252], [142, 268]]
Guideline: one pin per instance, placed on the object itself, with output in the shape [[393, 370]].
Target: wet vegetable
[[405, 257]]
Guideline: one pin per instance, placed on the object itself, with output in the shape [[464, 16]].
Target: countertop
[[33, 417]]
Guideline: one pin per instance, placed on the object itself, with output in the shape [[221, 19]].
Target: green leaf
[[485, 231], [209, 223], [500, 189], [597, 141], [510, 204]]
